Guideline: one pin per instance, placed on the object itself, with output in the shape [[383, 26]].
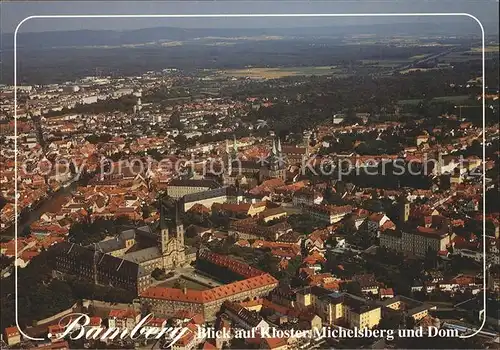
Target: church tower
[[179, 228], [275, 163], [39, 131], [403, 209], [171, 230], [171, 238], [230, 159], [306, 137], [234, 152], [232, 155], [164, 231]]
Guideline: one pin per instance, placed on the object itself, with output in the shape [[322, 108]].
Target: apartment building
[[339, 308], [206, 198], [416, 242], [328, 213], [422, 239]]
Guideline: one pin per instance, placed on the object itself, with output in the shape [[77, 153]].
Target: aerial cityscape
[[309, 187]]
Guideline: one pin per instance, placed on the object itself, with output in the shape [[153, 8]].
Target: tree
[[26, 231], [267, 262], [5, 261], [293, 266], [95, 139], [353, 288], [390, 321], [410, 322], [175, 120]]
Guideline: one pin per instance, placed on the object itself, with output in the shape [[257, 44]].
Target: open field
[[418, 57], [460, 57], [280, 72], [411, 70], [473, 54], [385, 63], [489, 48]]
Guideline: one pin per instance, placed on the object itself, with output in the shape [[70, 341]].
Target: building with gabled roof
[[205, 198], [244, 318], [328, 213], [252, 283], [98, 267], [339, 308], [178, 188], [114, 262], [12, 335]]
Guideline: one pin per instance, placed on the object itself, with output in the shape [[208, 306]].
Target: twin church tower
[[272, 166]]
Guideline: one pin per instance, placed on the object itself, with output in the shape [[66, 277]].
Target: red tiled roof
[[12, 331], [274, 343], [55, 328], [429, 231], [217, 293], [208, 346], [186, 338], [387, 291], [118, 313], [27, 255], [95, 321], [199, 208], [198, 319], [235, 208], [332, 209], [156, 322], [236, 266], [314, 258], [243, 243]]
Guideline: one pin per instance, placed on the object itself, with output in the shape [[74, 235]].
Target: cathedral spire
[[177, 214], [235, 144], [163, 214]]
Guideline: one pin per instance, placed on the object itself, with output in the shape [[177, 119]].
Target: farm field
[[385, 63], [473, 54], [488, 48]]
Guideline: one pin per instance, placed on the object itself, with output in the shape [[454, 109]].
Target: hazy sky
[[12, 12]]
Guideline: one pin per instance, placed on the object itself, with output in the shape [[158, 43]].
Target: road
[[417, 62]]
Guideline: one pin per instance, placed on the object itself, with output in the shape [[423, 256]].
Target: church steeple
[[275, 167], [235, 145], [170, 227], [404, 208], [179, 227]]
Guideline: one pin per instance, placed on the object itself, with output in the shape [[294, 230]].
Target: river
[[47, 205]]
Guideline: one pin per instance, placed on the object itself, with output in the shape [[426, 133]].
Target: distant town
[[348, 196]]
